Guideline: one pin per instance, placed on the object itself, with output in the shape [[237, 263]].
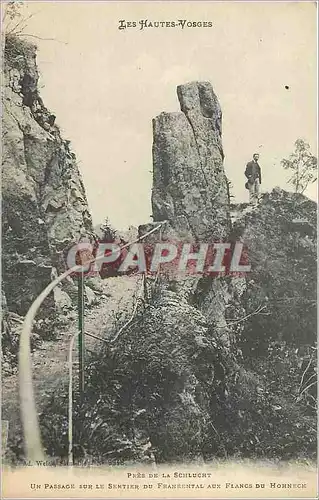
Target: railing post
[[70, 416], [81, 330]]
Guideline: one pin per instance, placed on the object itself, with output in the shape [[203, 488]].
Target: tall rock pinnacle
[[189, 182]]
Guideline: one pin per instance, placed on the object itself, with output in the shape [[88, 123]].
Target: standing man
[[253, 174]]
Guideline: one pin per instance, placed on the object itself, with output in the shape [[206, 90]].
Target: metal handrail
[[29, 417]]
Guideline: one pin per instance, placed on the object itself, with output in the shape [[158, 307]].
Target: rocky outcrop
[[282, 243], [190, 193], [189, 182], [44, 203], [190, 190], [208, 366], [174, 366]]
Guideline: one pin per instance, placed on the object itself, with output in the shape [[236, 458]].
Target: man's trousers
[[254, 191]]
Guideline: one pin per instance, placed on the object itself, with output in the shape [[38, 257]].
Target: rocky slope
[[226, 369], [205, 366], [209, 366], [43, 198], [281, 238]]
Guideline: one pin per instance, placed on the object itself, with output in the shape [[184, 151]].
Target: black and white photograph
[[159, 249]]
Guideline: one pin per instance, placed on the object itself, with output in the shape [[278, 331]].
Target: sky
[[105, 85]]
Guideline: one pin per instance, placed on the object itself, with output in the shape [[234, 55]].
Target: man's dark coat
[[250, 167]]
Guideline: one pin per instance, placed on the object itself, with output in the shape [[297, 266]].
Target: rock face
[[189, 182], [190, 193], [282, 242], [208, 366], [44, 204], [173, 376], [190, 188]]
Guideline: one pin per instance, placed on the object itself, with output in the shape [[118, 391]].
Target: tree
[[14, 18], [107, 231], [303, 165]]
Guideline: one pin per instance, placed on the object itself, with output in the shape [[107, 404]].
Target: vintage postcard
[[159, 215]]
